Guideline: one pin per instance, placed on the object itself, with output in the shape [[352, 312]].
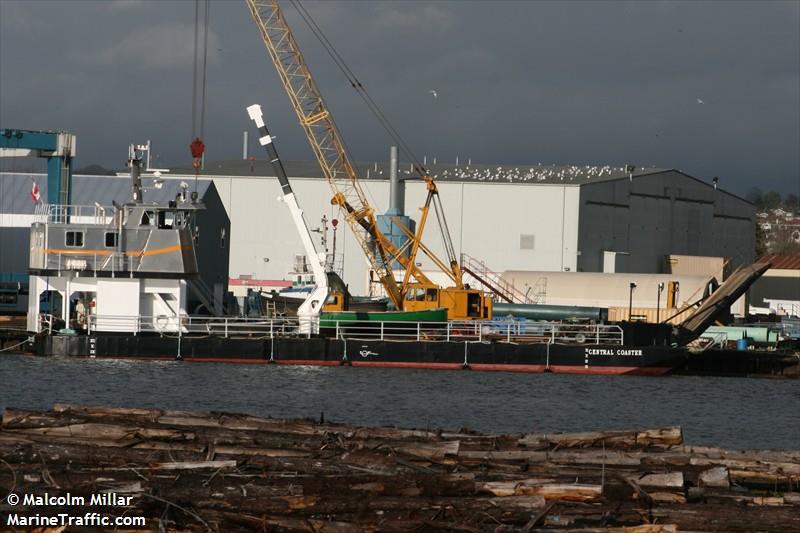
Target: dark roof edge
[[665, 170], [710, 185]]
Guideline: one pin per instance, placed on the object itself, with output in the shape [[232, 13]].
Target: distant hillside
[[95, 170]]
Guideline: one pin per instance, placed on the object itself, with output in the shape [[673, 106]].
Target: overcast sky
[[710, 88]]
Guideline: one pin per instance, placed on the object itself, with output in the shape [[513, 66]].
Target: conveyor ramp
[[719, 302]]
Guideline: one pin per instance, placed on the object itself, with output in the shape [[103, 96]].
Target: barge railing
[[452, 331]]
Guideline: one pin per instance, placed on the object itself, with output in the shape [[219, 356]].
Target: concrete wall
[[608, 290], [660, 214]]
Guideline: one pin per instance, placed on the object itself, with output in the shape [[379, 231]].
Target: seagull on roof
[[434, 93]]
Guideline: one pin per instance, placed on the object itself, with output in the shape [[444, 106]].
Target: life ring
[[161, 323]]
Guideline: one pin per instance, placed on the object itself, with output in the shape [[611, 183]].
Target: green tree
[[755, 197], [791, 202], [772, 200]]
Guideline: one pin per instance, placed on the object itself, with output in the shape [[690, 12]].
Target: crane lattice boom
[[327, 145], [461, 302]]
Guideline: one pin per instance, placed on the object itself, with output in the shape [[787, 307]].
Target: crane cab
[[336, 301], [461, 304]]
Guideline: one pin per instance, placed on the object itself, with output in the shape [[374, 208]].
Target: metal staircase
[[501, 288], [206, 297]]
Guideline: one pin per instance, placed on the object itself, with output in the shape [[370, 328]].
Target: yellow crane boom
[[343, 178], [328, 147]]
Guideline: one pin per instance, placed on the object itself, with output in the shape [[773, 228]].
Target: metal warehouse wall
[[660, 214], [490, 222], [261, 228], [14, 249]]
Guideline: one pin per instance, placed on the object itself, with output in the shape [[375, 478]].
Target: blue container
[[741, 344]]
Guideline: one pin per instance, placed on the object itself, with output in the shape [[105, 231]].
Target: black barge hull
[[453, 355]]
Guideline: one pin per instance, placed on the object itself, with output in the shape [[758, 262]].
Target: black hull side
[[490, 356]]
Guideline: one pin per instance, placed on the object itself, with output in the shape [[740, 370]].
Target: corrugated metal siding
[[782, 262], [86, 190], [661, 214]]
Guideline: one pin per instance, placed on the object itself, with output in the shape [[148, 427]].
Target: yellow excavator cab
[[335, 302], [461, 304]]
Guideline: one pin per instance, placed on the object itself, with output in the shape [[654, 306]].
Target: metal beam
[[59, 149]]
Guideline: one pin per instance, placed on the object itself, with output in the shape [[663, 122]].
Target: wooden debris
[[226, 472], [715, 477]]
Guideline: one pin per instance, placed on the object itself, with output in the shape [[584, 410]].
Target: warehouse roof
[[782, 262], [558, 174], [15, 190]]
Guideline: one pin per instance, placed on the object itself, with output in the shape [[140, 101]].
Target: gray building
[[661, 212], [17, 213]]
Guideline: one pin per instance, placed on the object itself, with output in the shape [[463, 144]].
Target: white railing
[[711, 340], [454, 331], [46, 322], [76, 214], [185, 324], [112, 261], [480, 331]]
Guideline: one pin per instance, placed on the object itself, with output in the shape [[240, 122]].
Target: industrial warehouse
[[533, 218], [544, 220]]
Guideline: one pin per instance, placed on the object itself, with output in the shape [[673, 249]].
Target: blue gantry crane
[[59, 149]]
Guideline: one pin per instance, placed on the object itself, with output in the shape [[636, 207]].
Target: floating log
[[715, 477], [672, 480], [670, 436], [226, 472]]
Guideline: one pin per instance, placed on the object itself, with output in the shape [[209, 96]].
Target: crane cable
[[197, 147], [358, 86], [382, 119]]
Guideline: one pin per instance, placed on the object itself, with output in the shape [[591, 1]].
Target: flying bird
[[700, 101], [434, 93]]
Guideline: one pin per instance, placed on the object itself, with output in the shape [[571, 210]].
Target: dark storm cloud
[[515, 82]]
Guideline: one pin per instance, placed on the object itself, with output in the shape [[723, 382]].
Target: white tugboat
[[107, 268]]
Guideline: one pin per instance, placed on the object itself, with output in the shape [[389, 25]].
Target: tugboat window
[[112, 239], [74, 238], [165, 219], [147, 217]]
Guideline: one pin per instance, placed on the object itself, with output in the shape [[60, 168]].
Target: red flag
[[35, 192]]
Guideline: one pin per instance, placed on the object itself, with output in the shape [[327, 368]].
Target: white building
[[539, 218]]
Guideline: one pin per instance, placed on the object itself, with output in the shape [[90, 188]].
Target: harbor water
[[733, 413]]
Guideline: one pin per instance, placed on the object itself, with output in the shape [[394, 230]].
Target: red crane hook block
[[197, 148]]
